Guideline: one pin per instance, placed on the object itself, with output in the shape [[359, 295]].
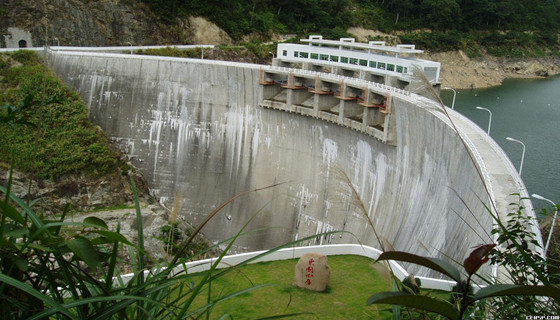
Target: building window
[[325, 57], [363, 63], [391, 67], [372, 64], [405, 70], [399, 69], [315, 56], [304, 55], [334, 58], [285, 53], [381, 65], [296, 54], [344, 59], [354, 61]]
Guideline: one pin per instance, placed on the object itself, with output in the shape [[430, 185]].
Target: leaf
[[113, 236], [432, 263], [443, 308], [83, 248], [13, 214], [516, 290], [477, 258], [38, 247], [19, 262], [96, 221], [30, 290], [35, 219], [13, 231]]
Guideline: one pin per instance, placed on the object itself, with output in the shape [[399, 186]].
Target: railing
[[335, 77]]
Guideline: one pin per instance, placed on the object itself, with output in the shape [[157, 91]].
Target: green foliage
[[26, 57], [452, 22], [435, 40], [172, 52], [42, 261], [58, 138], [525, 270], [260, 49], [459, 290], [522, 265], [412, 283], [55, 269]]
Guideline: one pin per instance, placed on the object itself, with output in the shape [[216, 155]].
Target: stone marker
[[313, 272]]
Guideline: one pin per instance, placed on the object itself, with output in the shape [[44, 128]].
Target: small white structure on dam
[[209, 130]]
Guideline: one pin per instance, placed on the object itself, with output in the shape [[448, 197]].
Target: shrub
[[59, 138]]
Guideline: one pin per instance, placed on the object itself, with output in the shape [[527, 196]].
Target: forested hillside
[[504, 26]]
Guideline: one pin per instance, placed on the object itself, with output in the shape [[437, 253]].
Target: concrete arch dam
[[199, 131]]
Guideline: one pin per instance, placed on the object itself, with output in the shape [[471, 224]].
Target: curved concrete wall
[[196, 131]]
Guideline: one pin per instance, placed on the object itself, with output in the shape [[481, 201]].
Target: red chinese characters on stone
[[309, 273]]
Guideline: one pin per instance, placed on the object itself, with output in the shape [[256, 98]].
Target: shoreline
[[458, 71]]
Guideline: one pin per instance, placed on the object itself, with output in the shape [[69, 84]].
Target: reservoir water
[[528, 111]]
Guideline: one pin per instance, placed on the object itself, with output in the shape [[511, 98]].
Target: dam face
[[197, 132]]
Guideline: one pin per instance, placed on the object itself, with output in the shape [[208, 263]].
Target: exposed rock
[[363, 35], [102, 23], [459, 71], [81, 192], [87, 197], [201, 31]]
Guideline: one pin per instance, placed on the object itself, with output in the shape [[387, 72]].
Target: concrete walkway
[[502, 179]]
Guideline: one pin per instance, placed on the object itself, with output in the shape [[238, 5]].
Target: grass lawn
[[353, 280]]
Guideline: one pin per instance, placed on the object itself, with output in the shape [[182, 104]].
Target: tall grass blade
[[443, 308], [517, 290], [31, 291], [5, 204], [439, 265], [140, 227]]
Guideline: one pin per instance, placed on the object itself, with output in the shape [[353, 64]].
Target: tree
[[442, 14]]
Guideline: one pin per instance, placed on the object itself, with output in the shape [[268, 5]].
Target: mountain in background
[[503, 27]]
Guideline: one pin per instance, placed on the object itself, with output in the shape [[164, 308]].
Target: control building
[[374, 61]]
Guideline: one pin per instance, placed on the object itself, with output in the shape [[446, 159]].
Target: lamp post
[[454, 94], [130, 44], [489, 120], [522, 153], [536, 196]]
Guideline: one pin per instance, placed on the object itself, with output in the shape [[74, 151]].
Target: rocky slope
[[109, 197], [459, 71], [102, 23]]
